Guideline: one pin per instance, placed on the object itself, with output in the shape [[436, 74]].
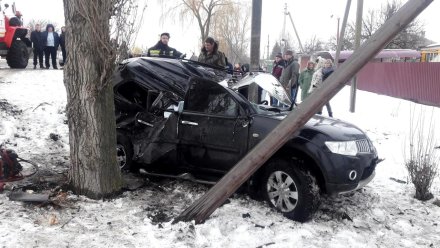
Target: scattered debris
[[41, 104], [259, 226], [28, 197], [54, 136], [53, 220], [265, 245], [397, 180], [246, 215], [13, 110]]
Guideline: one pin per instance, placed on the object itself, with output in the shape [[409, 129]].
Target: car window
[[210, 99]]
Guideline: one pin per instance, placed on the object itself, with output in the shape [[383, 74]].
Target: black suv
[[182, 119]]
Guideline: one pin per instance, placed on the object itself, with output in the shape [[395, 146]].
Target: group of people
[[46, 43], [286, 70], [209, 53]]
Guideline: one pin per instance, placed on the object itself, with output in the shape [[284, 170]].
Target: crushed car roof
[[166, 73]]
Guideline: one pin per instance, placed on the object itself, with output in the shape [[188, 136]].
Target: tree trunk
[[94, 171]]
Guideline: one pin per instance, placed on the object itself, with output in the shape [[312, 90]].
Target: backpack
[[9, 165]]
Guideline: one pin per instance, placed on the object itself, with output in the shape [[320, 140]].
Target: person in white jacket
[[317, 76]]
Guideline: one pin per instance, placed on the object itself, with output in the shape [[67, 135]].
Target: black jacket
[[326, 72], [63, 40], [56, 37], [162, 50], [37, 39]]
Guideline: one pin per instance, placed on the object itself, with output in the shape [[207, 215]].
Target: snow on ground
[[383, 214]]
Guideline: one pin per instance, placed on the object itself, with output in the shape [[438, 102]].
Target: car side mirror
[[180, 107]]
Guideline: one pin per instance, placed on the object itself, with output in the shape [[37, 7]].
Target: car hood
[[268, 82], [334, 129]]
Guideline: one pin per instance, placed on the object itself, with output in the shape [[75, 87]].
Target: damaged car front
[[180, 119]]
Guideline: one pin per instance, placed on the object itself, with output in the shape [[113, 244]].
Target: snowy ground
[[383, 214]]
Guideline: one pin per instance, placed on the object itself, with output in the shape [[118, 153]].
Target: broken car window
[[211, 99]]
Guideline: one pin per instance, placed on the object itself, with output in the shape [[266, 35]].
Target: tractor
[[13, 41]]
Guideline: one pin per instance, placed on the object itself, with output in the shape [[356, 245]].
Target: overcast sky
[[311, 17]]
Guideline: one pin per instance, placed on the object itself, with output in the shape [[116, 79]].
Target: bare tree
[[43, 23], [231, 28], [412, 37], [125, 23], [203, 11], [94, 171], [313, 44], [275, 50]]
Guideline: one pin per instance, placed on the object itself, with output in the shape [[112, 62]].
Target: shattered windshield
[[269, 86]]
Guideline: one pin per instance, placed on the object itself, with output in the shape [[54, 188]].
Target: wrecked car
[[182, 119]]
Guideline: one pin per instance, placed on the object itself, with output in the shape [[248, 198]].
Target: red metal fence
[[417, 82]]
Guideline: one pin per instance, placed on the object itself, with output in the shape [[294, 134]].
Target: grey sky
[[311, 18]]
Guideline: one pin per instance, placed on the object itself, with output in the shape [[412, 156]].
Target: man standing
[[289, 77], [37, 44], [63, 45], [161, 49], [277, 70], [51, 41], [305, 80]]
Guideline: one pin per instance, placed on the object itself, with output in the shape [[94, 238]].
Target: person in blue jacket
[[51, 41]]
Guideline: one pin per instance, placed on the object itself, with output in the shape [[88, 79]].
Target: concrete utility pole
[[255, 46], [341, 36], [247, 166], [256, 35], [296, 33], [283, 34], [357, 43], [268, 50]]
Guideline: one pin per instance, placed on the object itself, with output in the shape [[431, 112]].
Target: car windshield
[[264, 109]]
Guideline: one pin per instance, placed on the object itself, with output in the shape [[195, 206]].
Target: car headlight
[[342, 147]]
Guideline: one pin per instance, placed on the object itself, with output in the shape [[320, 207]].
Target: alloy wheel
[[282, 191]]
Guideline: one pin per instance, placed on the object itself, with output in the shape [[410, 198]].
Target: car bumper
[[364, 165], [334, 189]]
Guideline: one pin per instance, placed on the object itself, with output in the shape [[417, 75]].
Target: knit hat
[[279, 55]]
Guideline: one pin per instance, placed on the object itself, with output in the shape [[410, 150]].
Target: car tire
[[290, 189], [18, 55], [124, 150]]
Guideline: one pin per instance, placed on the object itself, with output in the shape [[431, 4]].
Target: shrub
[[423, 160]]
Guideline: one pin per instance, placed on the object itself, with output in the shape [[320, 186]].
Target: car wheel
[[124, 152], [290, 189]]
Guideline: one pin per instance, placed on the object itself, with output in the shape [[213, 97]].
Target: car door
[[212, 129]]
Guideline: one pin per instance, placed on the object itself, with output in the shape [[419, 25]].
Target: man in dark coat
[[63, 45], [51, 41], [277, 70], [161, 49], [289, 77], [38, 45]]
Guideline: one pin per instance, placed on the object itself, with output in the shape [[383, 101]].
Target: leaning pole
[[201, 209]]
